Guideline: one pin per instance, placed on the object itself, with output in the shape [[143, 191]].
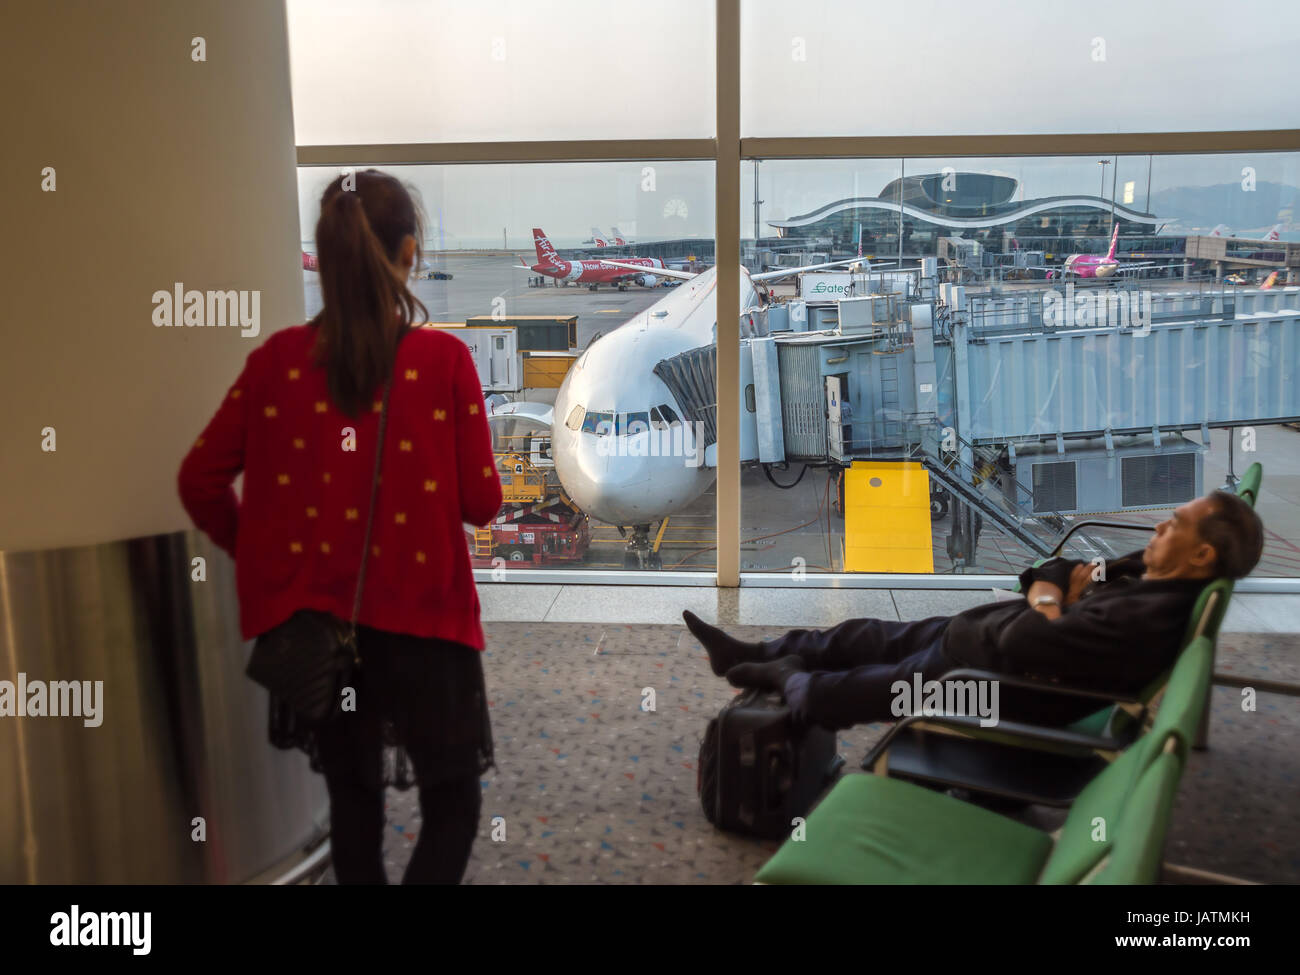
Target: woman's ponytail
[[367, 306]]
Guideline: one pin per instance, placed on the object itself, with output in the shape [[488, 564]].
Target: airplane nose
[[609, 482]]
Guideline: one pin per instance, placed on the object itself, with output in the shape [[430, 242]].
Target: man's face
[[1177, 549]]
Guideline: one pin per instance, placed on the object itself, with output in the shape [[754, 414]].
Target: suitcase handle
[[779, 781]]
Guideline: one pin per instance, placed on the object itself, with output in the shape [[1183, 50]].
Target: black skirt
[[426, 687]]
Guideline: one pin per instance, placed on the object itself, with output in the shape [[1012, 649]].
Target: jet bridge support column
[[962, 541], [924, 374], [961, 372]]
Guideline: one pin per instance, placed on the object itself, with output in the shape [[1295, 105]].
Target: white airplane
[[1275, 233], [624, 448]]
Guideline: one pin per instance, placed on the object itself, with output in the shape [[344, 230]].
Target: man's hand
[[1042, 588], [1080, 578]]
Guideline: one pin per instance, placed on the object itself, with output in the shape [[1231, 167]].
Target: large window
[[1167, 379], [445, 71], [1059, 243], [559, 279], [952, 68]]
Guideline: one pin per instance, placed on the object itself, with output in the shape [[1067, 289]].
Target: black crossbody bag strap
[[370, 524]]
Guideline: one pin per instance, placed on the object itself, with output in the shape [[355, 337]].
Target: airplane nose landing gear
[[640, 554]]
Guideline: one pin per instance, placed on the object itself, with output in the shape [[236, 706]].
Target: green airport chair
[[1248, 486], [1138, 851], [1051, 764], [876, 830], [1024, 763]]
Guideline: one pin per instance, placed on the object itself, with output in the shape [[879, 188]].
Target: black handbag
[[307, 660]]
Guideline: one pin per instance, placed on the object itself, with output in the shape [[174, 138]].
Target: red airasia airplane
[[592, 273]]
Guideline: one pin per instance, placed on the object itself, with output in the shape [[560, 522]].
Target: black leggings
[[432, 693]]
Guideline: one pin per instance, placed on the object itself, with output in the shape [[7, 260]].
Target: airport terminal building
[[974, 206]]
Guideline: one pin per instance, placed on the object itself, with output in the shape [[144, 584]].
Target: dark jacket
[[1120, 635]]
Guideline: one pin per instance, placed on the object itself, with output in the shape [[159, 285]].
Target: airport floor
[[595, 791]]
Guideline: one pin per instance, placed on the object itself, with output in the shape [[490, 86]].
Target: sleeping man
[[1113, 626]]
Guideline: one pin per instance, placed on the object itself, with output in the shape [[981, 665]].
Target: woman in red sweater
[[302, 422]]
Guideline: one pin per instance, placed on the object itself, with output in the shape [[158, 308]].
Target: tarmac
[[784, 531]]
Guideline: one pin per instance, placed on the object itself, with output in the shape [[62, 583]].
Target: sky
[[400, 71]]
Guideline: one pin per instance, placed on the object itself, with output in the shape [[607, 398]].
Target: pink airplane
[[1096, 266]]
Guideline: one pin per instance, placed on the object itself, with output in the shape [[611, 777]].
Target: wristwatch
[[1047, 601]]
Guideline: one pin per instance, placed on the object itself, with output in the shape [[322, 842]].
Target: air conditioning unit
[[1087, 479], [867, 311]]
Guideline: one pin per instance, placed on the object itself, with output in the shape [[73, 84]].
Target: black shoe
[[724, 651], [770, 675]]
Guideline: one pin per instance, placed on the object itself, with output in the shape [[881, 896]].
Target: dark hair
[[1235, 531], [367, 306]]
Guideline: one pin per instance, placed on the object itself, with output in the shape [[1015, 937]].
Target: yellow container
[[546, 372], [887, 517]]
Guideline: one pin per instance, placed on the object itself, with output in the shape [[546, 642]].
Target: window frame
[[728, 150]]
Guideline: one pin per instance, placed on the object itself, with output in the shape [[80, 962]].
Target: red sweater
[[297, 535]]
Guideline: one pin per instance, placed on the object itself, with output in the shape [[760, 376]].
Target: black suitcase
[[757, 772]]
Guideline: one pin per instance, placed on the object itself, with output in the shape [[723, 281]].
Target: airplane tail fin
[[598, 238], [617, 237], [1114, 239], [1269, 282], [545, 251], [1275, 233], [1218, 230]]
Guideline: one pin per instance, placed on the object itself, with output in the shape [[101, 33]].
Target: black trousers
[[855, 664], [432, 693]]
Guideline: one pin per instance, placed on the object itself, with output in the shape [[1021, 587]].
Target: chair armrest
[[1017, 729], [1029, 683], [1096, 523], [1027, 735]]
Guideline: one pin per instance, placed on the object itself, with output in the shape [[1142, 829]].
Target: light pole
[[1114, 176], [1103, 163]]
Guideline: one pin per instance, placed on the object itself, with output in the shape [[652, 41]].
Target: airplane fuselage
[[597, 272], [1090, 266], [622, 457]]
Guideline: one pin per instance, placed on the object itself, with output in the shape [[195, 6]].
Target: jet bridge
[[1023, 416]]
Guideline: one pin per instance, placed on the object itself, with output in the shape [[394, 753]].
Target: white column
[[166, 169]]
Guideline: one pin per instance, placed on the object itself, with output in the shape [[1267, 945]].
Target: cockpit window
[[574, 421], [667, 413], [601, 424], [630, 424]]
